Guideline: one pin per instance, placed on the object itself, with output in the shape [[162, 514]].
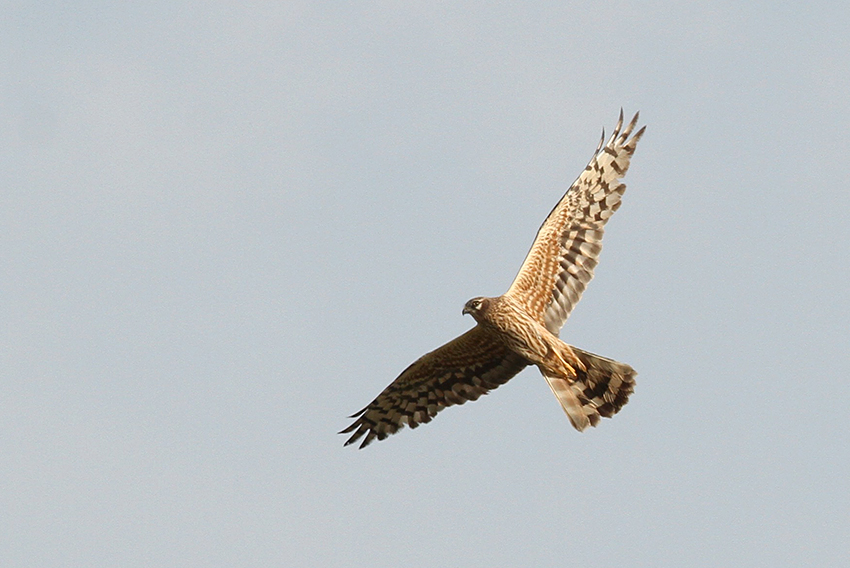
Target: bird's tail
[[602, 389]]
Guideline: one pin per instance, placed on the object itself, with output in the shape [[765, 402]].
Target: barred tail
[[600, 390]]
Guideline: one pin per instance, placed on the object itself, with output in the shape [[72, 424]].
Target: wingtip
[[356, 436], [370, 437], [616, 133], [622, 137]]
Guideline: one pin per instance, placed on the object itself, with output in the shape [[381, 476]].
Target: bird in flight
[[521, 327]]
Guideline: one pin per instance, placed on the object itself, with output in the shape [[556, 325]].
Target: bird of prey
[[521, 327]]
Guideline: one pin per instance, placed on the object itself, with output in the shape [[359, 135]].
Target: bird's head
[[476, 307]]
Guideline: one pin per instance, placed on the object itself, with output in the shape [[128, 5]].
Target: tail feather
[[602, 389], [562, 390]]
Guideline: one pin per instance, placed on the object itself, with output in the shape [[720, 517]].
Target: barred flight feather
[[459, 371], [561, 261]]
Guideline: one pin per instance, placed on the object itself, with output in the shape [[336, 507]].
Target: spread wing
[[461, 370], [566, 250]]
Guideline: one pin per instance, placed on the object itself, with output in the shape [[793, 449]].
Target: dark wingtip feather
[[601, 142]]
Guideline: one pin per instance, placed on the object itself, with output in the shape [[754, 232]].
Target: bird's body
[[521, 327], [507, 321]]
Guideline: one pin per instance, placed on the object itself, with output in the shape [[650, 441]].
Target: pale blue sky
[[225, 228]]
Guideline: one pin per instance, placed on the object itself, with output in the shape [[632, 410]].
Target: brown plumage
[[521, 327]]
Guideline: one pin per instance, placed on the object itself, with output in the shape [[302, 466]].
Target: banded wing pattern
[[566, 250], [463, 369]]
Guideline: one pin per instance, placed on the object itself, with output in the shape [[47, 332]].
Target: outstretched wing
[[566, 250], [461, 370]]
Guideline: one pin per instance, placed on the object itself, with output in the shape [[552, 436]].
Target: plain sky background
[[224, 227]]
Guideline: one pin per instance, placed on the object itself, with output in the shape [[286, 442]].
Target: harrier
[[521, 327]]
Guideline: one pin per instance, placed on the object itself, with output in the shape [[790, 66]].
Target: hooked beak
[[465, 310]]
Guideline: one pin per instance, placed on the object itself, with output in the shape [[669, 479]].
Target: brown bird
[[521, 327]]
